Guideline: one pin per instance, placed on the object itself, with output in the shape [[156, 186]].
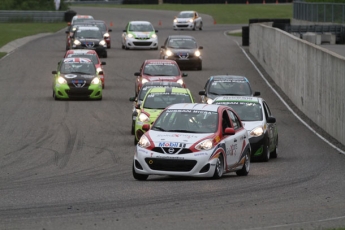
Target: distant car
[[258, 121], [184, 50], [155, 101], [76, 78], [80, 17], [89, 37], [226, 85], [195, 140], [188, 20], [70, 30], [90, 54], [139, 35], [105, 31], [142, 93], [158, 70]]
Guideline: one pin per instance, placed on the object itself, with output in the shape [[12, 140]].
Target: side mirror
[[184, 74], [156, 31], [271, 120], [256, 93], [137, 106], [124, 31], [229, 131], [110, 30], [68, 23], [103, 63], [146, 127], [67, 32], [202, 92], [136, 74], [54, 72], [100, 73], [163, 47], [201, 47], [132, 99]]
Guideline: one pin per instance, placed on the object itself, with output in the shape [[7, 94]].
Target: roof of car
[[152, 61], [187, 11], [196, 106], [228, 77], [88, 28], [81, 51], [168, 90], [77, 60], [82, 16], [140, 22], [237, 98]]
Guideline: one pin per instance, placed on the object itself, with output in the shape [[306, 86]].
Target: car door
[[271, 127], [240, 137]]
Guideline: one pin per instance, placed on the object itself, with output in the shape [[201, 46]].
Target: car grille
[[142, 38], [142, 43], [172, 165], [182, 25], [78, 92], [176, 150]]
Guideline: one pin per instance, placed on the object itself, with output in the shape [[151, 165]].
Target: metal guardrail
[[31, 16], [319, 12], [76, 2]]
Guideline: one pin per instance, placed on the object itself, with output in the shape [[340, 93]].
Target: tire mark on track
[[61, 159]]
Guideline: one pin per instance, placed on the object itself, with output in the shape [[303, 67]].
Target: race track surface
[[67, 164]]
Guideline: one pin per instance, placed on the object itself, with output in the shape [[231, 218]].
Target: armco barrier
[[31, 16], [312, 77]]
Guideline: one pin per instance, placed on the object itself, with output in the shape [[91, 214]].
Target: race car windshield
[[161, 70], [185, 15], [230, 88], [193, 121], [162, 100], [78, 68], [102, 27], [141, 27], [182, 44], [89, 34]]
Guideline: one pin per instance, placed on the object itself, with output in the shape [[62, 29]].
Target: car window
[[230, 88], [225, 121], [163, 100], [161, 70], [82, 68], [186, 43], [235, 121], [93, 58], [89, 34]]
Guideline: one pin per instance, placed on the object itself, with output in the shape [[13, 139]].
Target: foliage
[[31, 5]]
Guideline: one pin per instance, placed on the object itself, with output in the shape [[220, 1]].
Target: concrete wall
[[312, 77]]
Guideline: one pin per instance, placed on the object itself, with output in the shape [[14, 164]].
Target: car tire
[[246, 166], [126, 48], [123, 47], [265, 157], [138, 176], [274, 154], [135, 140], [132, 130], [200, 28], [194, 26], [219, 169]]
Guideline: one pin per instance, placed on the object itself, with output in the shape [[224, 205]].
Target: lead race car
[[188, 20], [191, 139], [76, 78]]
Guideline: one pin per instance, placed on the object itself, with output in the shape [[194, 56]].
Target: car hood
[[162, 78], [72, 77], [182, 51], [174, 139], [83, 40], [153, 113], [142, 34], [250, 125]]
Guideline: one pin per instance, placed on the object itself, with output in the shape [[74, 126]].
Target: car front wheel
[[246, 166], [219, 169]]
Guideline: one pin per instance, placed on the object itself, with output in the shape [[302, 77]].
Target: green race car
[[77, 78], [155, 101]]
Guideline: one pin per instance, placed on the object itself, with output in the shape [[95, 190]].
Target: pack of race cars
[[174, 135]]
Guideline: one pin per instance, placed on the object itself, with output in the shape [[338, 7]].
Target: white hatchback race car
[[188, 20], [193, 139], [139, 35]]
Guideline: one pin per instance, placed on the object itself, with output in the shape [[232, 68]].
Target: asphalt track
[[67, 164]]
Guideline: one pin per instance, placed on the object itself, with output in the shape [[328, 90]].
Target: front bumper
[[195, 164], [257, 145], [183, 25], [134, 43], [193, 62], [65, 92]]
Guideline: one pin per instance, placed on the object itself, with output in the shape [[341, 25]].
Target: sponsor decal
[[169, 144], [217, 139], [87, 76], [78, 83], [70, 76], [170, 157], [200, 154], [177, 135], [231, 150]]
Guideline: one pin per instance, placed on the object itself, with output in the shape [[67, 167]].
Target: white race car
[[188, 20], [193, 139], [139, 35]]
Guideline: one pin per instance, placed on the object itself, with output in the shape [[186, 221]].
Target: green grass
[[223, 13]]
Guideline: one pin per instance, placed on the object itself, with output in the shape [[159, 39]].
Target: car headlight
[[256, 132], [143, 81], [61, 80], [175, 20], [99, 69], [130, 35], [168, 53], [106, 35], [76, 42], [154, 36], [95, 81], [102, 43], [144, 118], [180, 81], [197, 53], [205, 145], [144, 142], [209, 101], [190, 20]]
